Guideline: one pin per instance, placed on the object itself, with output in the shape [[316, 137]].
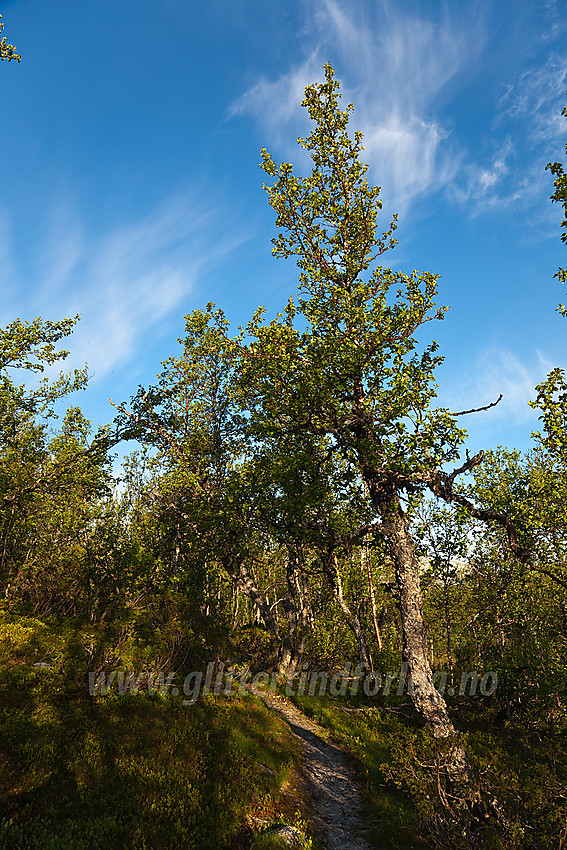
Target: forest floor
[[335, 807]]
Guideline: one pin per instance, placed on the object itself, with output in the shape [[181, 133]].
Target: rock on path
[[337, 811]]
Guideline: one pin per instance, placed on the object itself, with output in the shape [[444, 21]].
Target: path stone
[[288, 834]]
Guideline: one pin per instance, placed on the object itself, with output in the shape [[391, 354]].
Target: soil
[[334, 799]]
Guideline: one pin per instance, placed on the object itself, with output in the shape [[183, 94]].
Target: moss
[[130, 771]]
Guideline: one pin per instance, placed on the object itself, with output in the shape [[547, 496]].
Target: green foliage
[[31, 346], [7, 51], [54, 483], [356, 363], [408, 802], [329, 217], [552, 401], [530, 490], [259, 515], [296, 837], [526, 771], [560, 196], [371, 735], [24, 641]]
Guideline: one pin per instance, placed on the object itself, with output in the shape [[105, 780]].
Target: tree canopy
[[298, 501]]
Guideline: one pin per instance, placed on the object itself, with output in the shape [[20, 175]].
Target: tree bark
[[332, 572], [240, 574], [427, 700], [425, 697], [298, 613], [372, 596]]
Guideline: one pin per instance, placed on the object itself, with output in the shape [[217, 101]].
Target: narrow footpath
[[336, 813]]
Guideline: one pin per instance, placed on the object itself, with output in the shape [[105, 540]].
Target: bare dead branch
[[478, 409]]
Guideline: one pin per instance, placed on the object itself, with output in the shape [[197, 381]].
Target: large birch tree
[[344, 363]]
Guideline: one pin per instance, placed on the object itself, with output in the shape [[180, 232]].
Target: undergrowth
[[523, 770], [132, 771]]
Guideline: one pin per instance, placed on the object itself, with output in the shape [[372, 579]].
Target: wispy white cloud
[[538, 95], [405, 156], [531, 123], [496, 371], [125, 282], [394, 68], [397, 65], [480, 184], [275, 103], [63, 249]]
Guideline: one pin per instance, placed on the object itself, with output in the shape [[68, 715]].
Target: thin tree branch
[[478, 409]]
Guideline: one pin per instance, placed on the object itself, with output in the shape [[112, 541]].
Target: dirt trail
[[337, 811]]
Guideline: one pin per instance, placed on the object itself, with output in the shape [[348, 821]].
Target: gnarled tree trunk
[[427, 700], [298, 613], [240, 574], [425, 697]]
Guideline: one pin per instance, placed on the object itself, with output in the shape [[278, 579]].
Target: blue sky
[[131, 191]]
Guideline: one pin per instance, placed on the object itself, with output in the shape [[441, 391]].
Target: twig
[[478, 409]]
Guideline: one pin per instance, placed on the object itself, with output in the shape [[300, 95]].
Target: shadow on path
[[337, 812]]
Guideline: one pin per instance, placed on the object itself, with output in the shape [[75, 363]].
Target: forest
[[296, 504]]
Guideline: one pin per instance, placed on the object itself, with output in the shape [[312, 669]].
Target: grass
[[132, 771], [524, 768], [367, 733], [139, 771]]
